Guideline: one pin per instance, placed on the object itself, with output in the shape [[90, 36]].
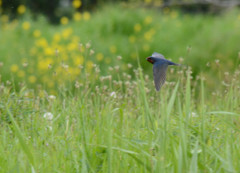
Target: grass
[[108, 130], [113, 31], [111, 119]]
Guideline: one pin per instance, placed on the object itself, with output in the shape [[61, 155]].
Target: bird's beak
[[149, 60]]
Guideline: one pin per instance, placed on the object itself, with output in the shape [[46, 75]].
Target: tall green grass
[[126, 131]]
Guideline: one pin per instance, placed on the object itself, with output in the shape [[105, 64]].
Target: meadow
[[79, 96]]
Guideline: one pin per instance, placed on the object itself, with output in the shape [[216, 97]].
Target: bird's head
[[151, 59]]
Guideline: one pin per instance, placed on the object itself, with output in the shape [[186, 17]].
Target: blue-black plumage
[[160, 65]]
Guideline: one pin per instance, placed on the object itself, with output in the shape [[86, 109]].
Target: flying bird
[[160, 65]]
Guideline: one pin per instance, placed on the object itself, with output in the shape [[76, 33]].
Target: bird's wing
[[158, 55], [159, 75]]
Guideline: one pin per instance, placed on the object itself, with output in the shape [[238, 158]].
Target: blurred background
[[46, 44]]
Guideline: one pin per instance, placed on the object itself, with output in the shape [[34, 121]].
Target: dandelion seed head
[[129, 65], [25, 64], [52, 97], [88, 45], [117, 68], [119, 57], [48, 116], [91, 52], [181, 59]]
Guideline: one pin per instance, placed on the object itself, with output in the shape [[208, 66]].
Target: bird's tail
[[182, 65], [172, 63]]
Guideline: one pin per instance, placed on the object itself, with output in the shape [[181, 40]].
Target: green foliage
[[208, 44], [78, 97], [111, 130]]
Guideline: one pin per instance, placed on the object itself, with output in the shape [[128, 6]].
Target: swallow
[[160, 65]]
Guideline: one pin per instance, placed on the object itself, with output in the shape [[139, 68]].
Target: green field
[[79, 96]]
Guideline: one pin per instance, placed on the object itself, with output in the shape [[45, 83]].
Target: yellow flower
[[148, 36], [14, 68], [77, 16], [132, 39], [174, 14], [4, 18], [42, 42], [36, 33], [26, 25], [21, 9], [76, 3], [75, 39], [44, 64], [146, 47], [64, 20], [48, 51], [113, 49], [108, 60], [32, 79], [147, 1], [99, 56], [57, 37], [71, 46], [158, 3], [89, 65], [67, 32], [137, 27], [78, 60], [86, 15], [148, 20], [21, 73]]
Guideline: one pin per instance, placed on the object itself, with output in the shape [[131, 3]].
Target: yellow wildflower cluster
[[156, 3], [59, 59], [21, 9], [76, 3], [143, 33], [64, 20], [77, 16], [26, 25]]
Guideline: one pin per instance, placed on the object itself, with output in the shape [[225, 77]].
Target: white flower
[[193, 114], [119, 57], [129, 65], [56, 52], [113, 94], [91, 52], [52, 97], [88, 45], [48, 116]]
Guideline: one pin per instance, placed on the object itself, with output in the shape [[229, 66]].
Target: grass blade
[[19, 135], [172, 99]]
